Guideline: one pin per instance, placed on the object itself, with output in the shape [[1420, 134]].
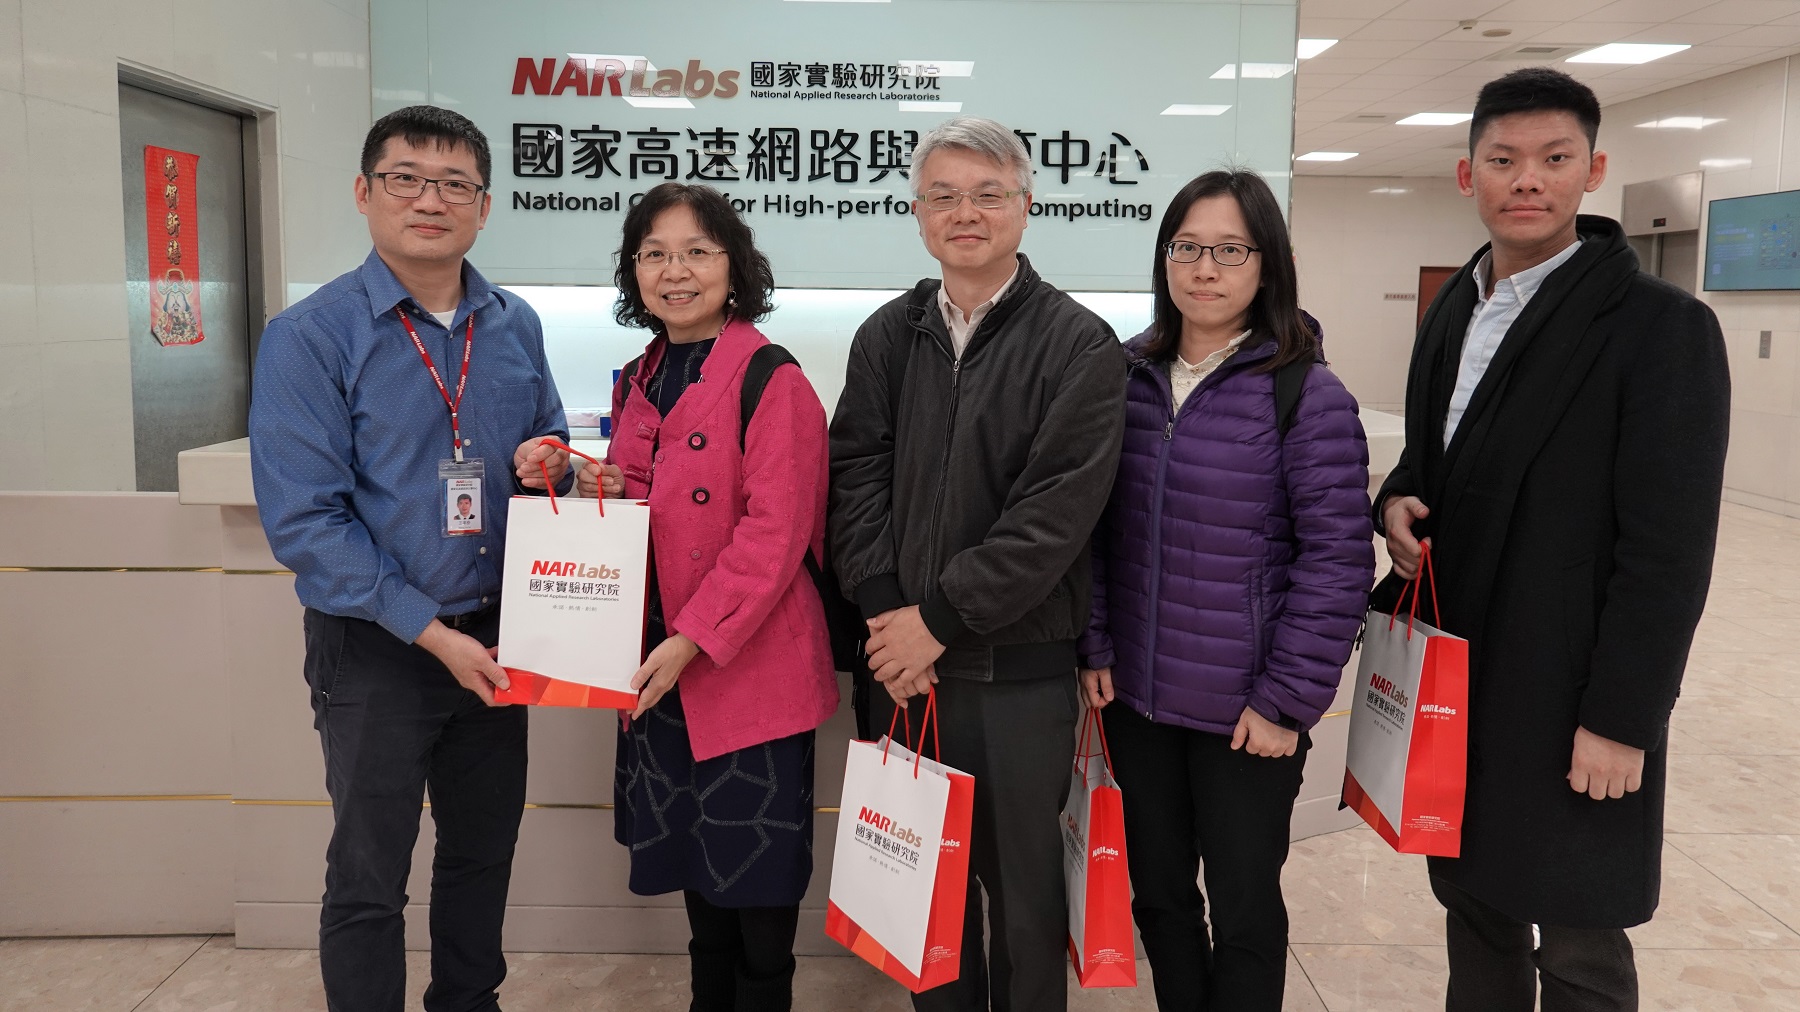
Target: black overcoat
[[1573, 521]]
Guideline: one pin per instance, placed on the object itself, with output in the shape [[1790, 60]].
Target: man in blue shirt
[[379, 402]]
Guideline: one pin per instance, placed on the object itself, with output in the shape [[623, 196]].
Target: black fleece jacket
[[971, 488]]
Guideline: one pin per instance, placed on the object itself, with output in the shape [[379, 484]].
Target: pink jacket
[[729, 530]]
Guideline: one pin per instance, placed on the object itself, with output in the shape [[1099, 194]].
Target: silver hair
[[980, 135]]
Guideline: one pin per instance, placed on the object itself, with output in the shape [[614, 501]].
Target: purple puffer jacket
[[1232, 566]]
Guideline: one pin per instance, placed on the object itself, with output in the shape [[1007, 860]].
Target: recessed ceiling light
[[1391, 190], [1496, 33], [1436, 119], [1196, 110], [1679, 123], [1232, 71], [1724, 163], [1626, 52], [1309, 48], [1326, 156]]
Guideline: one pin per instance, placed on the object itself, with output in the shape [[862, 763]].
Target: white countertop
[[219, 475]]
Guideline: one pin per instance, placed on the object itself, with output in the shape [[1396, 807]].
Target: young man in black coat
[[1566, 421]]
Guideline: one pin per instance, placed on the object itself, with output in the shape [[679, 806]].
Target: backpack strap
[[1288, 381], [763, 363], [630, 369]]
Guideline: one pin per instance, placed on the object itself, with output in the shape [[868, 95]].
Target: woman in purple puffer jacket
[[1231, 571]]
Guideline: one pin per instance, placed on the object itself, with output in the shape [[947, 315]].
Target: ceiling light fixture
[[1626, 52], [1679, 123], [1309, 48], [1435, 119], [1264, 71], [1196, 110], [1724, 163], [1326, 156], [1390, 190]]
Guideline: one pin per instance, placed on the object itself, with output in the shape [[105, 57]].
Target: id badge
[[461, 483]]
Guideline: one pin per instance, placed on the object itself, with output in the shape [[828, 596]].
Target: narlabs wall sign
[[805, 115]]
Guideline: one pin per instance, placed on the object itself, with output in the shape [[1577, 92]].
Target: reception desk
[[161, 773]]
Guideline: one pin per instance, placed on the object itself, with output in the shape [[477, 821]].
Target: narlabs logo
[[1438, 709], [1390, 690], [886, 825], [572, 570], [623, 76], [1104, 851]]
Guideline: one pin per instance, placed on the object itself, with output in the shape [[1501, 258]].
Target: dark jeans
[[1495, 968], [1189, 797], [394, 722], [1017, 739]]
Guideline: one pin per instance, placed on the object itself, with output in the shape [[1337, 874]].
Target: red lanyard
[[461, 383]]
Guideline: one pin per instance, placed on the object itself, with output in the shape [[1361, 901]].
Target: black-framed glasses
[[1225, 254], [407, 186], [946, 198], [699, 257]]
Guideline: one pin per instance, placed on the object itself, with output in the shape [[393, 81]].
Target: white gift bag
[[572, 599], [900, 869], [1407, 761]]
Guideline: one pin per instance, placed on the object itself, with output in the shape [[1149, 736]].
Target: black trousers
[[1494, 967], [741, 959], [1189, 798], [393, 722], [1017, 739]]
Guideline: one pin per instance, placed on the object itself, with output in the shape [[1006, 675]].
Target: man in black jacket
[[1566, 419], [972, 452]]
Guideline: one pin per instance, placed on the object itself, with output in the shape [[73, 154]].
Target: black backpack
[[849, 633]]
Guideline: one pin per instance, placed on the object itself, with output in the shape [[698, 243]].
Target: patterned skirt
[[737, 828]]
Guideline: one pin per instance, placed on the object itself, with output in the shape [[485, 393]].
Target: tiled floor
[[1366, 933]]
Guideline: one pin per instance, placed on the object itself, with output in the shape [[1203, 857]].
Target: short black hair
[[1275, 310], [465, 495], [422, 125], [1536, 89], [752, 279]]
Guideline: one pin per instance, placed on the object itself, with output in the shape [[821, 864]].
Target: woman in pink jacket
[[713, 789]]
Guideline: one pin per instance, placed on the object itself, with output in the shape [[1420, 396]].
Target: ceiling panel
[[1417, 31], [1399, 57], [1739, 12]]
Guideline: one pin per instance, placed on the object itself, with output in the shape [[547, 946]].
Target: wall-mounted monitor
[[1753, 243]]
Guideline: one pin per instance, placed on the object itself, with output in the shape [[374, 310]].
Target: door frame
[[264, 270]]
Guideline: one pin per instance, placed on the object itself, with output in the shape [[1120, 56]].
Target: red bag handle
[[1092, 728], [1427, 575], [551, 489], [929, 718]]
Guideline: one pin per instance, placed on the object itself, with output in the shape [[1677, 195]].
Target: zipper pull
[[1169, 430]]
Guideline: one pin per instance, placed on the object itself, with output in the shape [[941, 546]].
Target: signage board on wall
[[805, 114]]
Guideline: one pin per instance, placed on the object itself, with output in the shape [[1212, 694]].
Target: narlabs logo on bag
[[584, 584], [1389, 700], [548, 567], [1437, 710], [1104, 853], [1390, 690], [879, 833]]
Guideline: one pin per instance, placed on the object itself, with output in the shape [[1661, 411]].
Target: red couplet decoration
[[172, 223]]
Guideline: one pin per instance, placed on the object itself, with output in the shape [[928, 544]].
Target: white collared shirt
[[1494, 316], [1184, 377], [961, 330]]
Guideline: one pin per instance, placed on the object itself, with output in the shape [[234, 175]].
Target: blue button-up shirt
[[347, 430]]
